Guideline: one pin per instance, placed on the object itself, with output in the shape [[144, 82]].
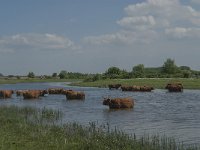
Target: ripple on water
[[157, 112]]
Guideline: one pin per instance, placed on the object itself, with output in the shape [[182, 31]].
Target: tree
[[185, 68], [170, 67], [113, 72], [186, 73], [138, 71], [1, 75], [31, 75], [54, 75], [63, 74]]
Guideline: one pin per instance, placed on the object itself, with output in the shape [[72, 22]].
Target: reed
[[30, 128]]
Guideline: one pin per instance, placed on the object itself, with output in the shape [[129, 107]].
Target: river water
[[159, 112]]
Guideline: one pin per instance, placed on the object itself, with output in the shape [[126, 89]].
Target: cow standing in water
[[174, 87], [114, 86], [4, 94], [32, 94], [70, 95], [119, 103]]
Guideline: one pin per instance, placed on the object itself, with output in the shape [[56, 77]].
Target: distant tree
[[184, 68], [169, 66], [186, 73], [63, 74], [138, 71], [54, 75], [31, 75], [11, 76], [1, 75], [125, 75], [113, 72]]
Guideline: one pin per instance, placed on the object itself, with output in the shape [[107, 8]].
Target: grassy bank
[[28, 128], [158, 83], [34, 80]]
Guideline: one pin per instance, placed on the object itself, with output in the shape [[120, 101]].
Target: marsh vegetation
[[30, 128]]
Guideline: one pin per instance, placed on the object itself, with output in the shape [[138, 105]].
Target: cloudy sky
[[46, 36]]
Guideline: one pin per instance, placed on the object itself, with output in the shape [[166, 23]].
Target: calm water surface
[[158, 112]]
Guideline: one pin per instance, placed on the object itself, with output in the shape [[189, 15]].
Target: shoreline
[[157, 83]]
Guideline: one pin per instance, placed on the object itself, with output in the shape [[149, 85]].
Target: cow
[[70, 95], [119, 103], [4, 94], [174, 87], [114, 86], [20, 92], [43, 92], [32, 94], [137, 88], [55, 90]]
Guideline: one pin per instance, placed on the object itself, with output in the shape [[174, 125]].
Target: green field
[[32, 80], [158, 83], [28, 128]]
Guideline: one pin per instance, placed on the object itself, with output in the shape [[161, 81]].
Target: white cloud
[[141, 22], [122, 37], [35, 42], [180, 32], [146, 21]]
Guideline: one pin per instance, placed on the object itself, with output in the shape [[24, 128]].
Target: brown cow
[[55, 90], [31, 94], [64, 92], [20, 92], [137, 88], [174, 87], [4, 94], [70, 95], [119, 103], [114, 86], [43, 92]]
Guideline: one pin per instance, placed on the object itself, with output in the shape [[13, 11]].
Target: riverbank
[[35, 80], [158, 83], [30, 128]]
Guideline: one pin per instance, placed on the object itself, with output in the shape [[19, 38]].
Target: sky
[[47, 36]]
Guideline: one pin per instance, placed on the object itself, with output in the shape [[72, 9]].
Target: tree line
[[169, 69]]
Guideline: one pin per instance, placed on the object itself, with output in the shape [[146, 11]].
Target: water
[[159, 112]]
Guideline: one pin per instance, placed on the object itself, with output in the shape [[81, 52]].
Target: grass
[[34, 129], [158, 83], [32, 80]]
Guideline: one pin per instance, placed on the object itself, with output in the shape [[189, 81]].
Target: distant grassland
[[158, 83], [34, 80]]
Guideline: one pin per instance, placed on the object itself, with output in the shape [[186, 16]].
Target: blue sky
[[46, 36]]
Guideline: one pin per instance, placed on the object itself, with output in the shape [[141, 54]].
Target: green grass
[[32, 80], [157, 83], [36, 129]]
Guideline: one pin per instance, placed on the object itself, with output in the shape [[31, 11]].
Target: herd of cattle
[[172, 87], [115, 103], [118, 103], [36, 94]]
